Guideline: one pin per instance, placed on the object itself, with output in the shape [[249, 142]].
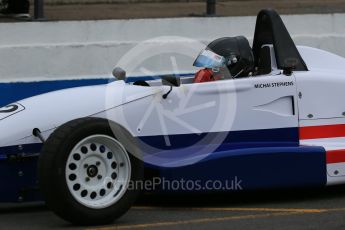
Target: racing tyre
[[84, 173]]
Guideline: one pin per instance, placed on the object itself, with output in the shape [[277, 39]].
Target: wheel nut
[[99, 177], [98, 163], [87, 179], [86, 165]]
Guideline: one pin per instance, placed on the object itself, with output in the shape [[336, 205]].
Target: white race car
[[269, 116]]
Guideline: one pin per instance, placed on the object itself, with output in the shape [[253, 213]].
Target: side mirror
[[171, 81], [119, 74]]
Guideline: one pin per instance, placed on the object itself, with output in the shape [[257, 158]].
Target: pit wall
[[38, 57]]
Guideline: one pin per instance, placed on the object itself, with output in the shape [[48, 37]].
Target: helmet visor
[[209, 59]]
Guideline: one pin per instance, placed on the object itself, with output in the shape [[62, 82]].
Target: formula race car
[[262, 117]]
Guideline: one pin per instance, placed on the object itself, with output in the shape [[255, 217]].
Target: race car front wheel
[[85, 171]]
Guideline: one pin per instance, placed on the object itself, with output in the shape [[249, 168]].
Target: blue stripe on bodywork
[[267, 158], [20, 149], [260, 158], [18, 168], [185, 148], [256, 168], [230, 140]]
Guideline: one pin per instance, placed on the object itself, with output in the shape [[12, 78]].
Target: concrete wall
[[90, 49], [36, 51]]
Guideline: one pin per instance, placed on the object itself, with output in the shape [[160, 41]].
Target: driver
[[225, 58]]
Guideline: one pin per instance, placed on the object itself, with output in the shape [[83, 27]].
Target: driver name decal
[[273, 85]]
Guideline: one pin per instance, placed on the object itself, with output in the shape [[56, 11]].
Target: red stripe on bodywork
[[325, 131], [335, 156]]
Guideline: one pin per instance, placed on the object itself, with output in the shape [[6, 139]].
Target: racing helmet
[[233, 53]]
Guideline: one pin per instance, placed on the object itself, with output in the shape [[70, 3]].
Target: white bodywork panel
[[321, 91], [48, 111], [262, 102], [317, 59], [212, 107]]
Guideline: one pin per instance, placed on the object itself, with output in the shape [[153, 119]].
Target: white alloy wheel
[[98, 171]]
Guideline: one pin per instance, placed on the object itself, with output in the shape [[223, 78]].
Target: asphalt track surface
[[294, 209]]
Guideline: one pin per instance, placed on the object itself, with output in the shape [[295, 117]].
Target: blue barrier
[[15, 91], [11, 92]]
